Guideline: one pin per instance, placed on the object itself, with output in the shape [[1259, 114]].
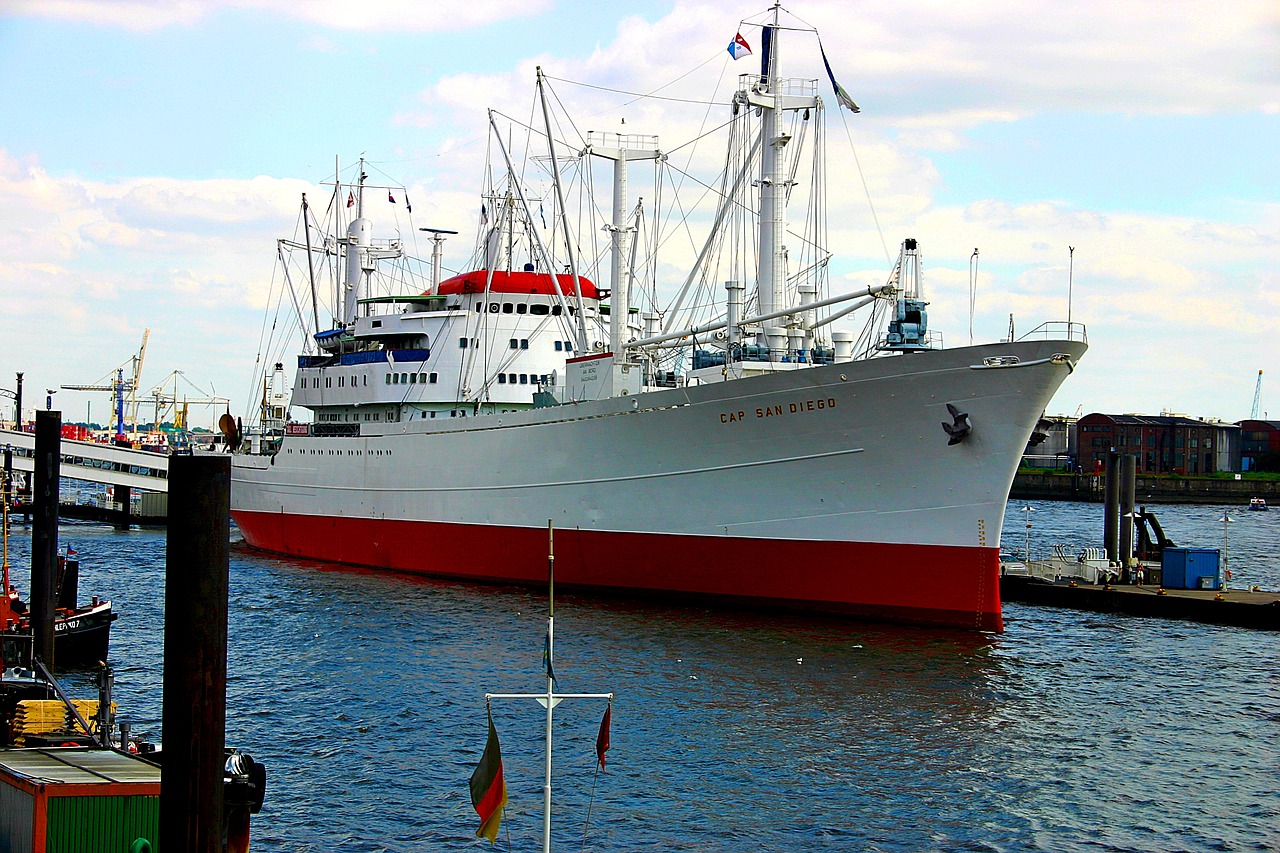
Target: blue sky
[[151, 153]]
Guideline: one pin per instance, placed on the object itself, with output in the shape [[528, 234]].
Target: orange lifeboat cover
[[516, 282]]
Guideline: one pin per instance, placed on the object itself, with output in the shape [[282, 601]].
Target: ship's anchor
[[959, 428]]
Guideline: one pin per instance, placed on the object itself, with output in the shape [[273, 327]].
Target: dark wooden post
[[195, 654], [124, 496], [44, 532]]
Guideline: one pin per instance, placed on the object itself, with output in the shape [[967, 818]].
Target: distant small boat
[[1258, 504]]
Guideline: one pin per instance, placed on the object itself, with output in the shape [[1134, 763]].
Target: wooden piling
[[44, 532], [195, 654]]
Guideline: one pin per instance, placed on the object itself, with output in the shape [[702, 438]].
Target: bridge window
[[494, 308], [502, 379], [521, 308], [539, 309], [515, 344], [524, 343], [507, 308]]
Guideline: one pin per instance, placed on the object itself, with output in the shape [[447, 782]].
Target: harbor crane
[[120, 387], [1257, 398], [170, 400]]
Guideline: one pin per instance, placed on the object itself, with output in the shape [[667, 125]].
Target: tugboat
[[1258, 504], [81, 633]]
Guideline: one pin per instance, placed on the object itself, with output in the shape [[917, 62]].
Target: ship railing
[[1057, 330], [803, 87], [627, 141], [335, 430]]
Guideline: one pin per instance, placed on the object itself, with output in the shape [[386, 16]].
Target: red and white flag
[[739, 48]]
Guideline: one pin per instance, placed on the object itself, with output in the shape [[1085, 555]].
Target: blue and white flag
[[841, 95], [739, 48]]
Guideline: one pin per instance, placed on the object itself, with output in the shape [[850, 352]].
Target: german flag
[[488, 787]]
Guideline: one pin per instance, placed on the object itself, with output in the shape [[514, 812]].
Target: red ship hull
[[921, 584]]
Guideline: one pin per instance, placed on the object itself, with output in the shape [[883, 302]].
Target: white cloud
[[372, 15]]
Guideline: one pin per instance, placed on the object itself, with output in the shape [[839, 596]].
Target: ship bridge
[[96, 463]]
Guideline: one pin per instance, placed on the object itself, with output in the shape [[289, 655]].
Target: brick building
[[1163, 444], [1257, 438]]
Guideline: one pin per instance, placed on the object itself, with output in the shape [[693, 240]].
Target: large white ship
[[751, 453]]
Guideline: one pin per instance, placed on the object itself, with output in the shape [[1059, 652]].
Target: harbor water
[[363, 693]]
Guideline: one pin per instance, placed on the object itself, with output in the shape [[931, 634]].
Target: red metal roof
[[516, 282]]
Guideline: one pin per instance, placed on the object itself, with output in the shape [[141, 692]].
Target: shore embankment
[[1169, 489]]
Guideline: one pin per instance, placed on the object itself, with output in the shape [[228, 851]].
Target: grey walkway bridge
[[95, 463]]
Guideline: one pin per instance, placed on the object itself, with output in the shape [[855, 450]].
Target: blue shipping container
[[1190, 568]]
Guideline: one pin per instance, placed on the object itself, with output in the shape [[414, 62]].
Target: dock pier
[[1238, 608]]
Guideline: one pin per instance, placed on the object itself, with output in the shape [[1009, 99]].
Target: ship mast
[[772, 209], [359, 241], [772, 94], [625, 147]]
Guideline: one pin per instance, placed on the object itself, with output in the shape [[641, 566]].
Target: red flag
[[351, 199], [602, 739], [489, 786]]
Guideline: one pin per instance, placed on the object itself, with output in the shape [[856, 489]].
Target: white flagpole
[[549, 699]]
